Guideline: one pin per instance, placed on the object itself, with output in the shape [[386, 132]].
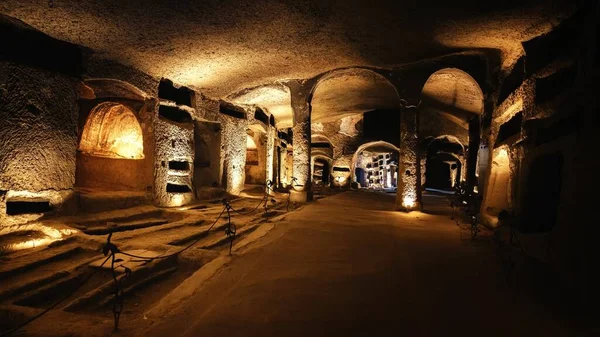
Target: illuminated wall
[[38, 114], [233, 152], [497, 196], [174, 159]]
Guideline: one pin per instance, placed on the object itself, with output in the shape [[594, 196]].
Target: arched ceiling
[[224, 46], [350, 92], [275, 99], [453, 94]]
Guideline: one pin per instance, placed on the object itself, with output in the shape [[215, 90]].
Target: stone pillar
[[233, 152], [408, 196], [271, 134], [283, 178], [300, 92], [474, 140]]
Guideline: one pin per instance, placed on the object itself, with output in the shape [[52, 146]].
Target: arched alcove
[[112, 153], [382, 158], [112, 130], [444, 163]]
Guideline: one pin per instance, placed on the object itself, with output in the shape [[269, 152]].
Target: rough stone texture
[[36, 108], [408, 162], [233, 152], [301, 137], [174, 142], [270, 148], [191, 43]]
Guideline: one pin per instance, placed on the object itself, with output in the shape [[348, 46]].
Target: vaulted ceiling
[[222, 47]]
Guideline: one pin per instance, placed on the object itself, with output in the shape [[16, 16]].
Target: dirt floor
[[346, 264]]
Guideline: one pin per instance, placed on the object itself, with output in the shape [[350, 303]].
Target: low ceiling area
[[220, 47]]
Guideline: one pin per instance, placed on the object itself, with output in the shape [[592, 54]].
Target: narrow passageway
[[347, 265]]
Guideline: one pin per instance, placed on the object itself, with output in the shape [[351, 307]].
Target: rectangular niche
[[341, 169], [181, 96], [34, 206], [231, 111], [176, 188], [174, 114], [261, 116], [179, 165]]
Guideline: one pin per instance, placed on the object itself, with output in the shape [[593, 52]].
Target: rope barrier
[[110, 250], [13, 330]]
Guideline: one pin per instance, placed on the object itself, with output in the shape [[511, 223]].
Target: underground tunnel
[[298, 168]]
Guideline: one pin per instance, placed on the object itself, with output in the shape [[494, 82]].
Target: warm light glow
[[250, 144], [177, 200], [408, 202], [52, 235], [112, 130], [516, 107]]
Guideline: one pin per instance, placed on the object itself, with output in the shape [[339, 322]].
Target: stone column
[[474, 141], [300, 92], [283, 178], [408, 196], [271, 134]]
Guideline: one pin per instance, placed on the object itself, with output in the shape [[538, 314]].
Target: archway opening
[[255, 157], [544, 187], [111, 154], [444, 164], [112, 131], [207, 164], [321, 172], [375, 166]]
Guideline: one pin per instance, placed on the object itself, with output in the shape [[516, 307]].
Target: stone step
[[100, 201], [199, 233], [123, 226], [142, 272], [35, 258], [222, 239], [121, 215], [42, 275]]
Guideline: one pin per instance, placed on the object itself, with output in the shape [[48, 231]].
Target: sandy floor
[[348, 265]]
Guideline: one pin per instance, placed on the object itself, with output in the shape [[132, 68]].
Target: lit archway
[[391, 164], [112, 130]]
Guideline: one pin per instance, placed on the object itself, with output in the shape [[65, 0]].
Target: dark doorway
[[321, 172], [545, 182], [437, 174]]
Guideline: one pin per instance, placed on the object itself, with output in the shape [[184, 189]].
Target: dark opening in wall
[[547, 88], [513, 81], [544, 49], [341, 169], [181, 96], [176, 188], [232, 111], [272, 120], [16, 207], [545, 184], [174, 114], [261, 116], [510, 128], [179, 165], [377, 123], [321, 145], [560, 128]]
